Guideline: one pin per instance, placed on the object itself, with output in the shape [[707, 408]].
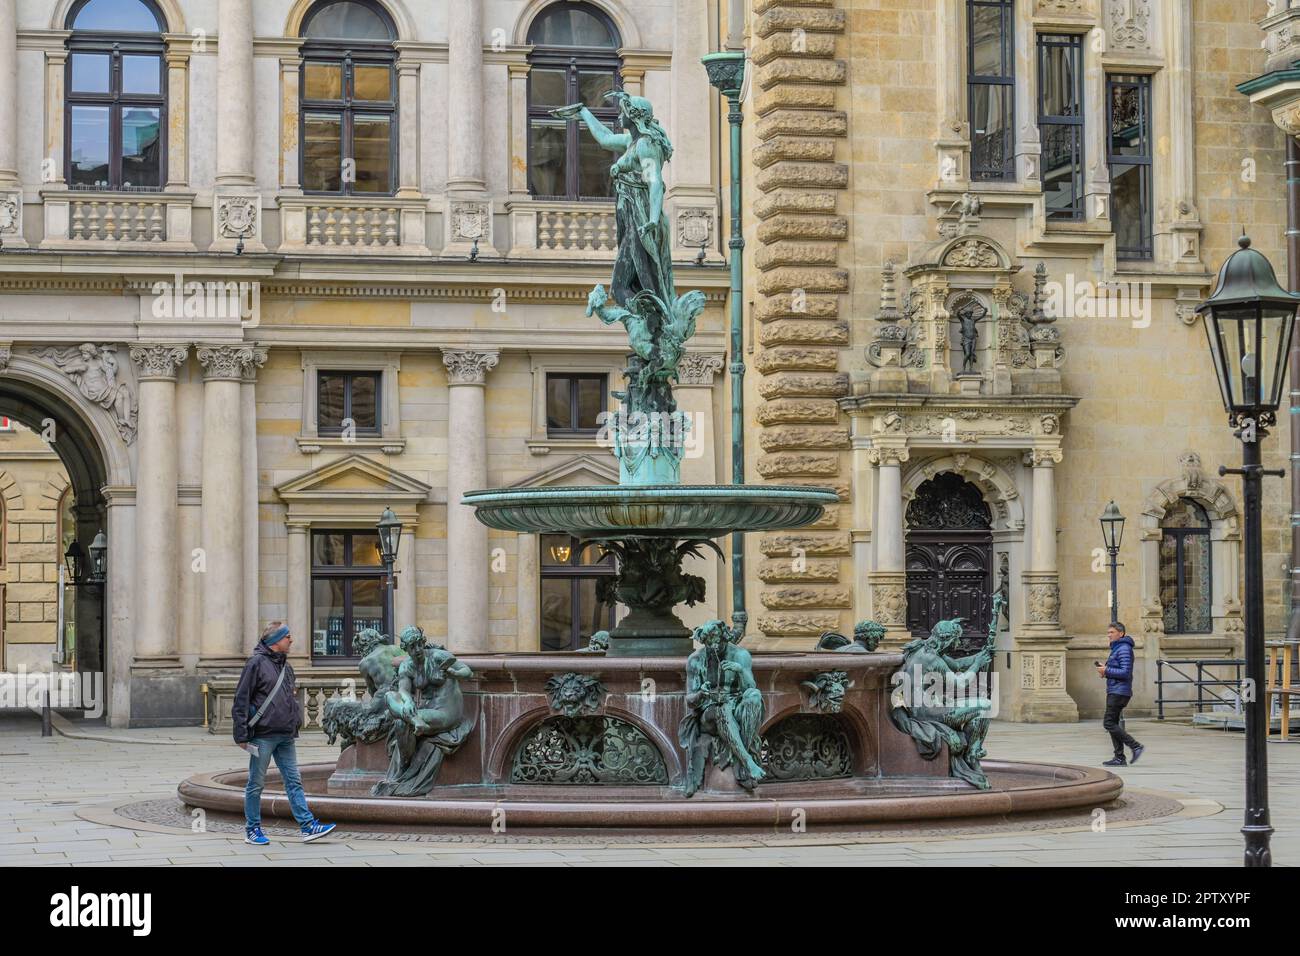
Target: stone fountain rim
[[1068, 787]]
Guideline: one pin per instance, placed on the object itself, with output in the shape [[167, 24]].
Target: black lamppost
[[1112, 532], [390, 539], [74, 558], [1248, 321]]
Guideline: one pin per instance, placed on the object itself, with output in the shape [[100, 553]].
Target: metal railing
[[1205, 686]]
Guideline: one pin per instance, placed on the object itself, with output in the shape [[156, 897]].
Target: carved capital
[[6, 352], [469, 367], [230, 362], [1043, 457], [698, 368], [158, 362], [888, 454]]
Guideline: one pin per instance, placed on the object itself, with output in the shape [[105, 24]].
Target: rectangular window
[[1060, 124], [348, 590], [1128, 99], [348, 401], [115, 116], [574, 403], [990, 88], [574, 599]]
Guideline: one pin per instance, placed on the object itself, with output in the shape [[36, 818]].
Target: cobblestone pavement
[[46, 782]]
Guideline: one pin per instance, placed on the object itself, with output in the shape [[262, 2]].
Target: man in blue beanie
[[1118, 671], [266, 716]]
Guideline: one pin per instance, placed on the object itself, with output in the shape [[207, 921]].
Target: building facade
[[270, 268]]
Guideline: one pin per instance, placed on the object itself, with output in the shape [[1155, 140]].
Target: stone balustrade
[[81, 219], [562, 230], [314, 688], [352, 225]]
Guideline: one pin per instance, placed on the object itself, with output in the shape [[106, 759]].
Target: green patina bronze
[[648, 433], [724, 709], [650, 519], [931, 674], [574, 694], [866, 638]]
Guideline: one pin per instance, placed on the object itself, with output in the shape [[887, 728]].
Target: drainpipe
[[1293, 285], [727, 72]]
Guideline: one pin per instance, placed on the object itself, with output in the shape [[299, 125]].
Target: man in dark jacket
[[1118, 671], [266, 718]]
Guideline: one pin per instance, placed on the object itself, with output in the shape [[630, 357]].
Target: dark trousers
[[1114, 723]]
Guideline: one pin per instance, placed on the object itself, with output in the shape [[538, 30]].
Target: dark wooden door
[[950, 559], [950, 574]]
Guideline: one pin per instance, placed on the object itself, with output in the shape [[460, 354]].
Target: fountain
[[653, 730]]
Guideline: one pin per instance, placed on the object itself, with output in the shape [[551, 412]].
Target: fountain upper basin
[[666, 511]]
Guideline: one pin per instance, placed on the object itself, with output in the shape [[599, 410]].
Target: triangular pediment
[[353, 477], [579, 470]]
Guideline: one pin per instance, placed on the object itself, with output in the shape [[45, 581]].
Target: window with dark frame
[[990, 88], [1129, 154], [575, 602], [574, 60], [1186, 579], [115, 102], [348, 100], [574, 403], [1060, 124], [343, 397], [348, 591]]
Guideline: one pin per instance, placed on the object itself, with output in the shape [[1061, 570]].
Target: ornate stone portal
[[965, 378]]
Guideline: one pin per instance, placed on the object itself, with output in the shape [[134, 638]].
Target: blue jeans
[[286, 759]]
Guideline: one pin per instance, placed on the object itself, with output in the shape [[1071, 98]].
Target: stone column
[[237, 205], [178, 70], [889, 579], [469, 211], [528, 614], [8, 93], [290, 80], [405, 600], [465, 93], [157, 639], [223, 641], [298, 589], [248, 464], [119, 603], [1038, 673], [467, 537], [408, 142], [695, 398], [692, 194]]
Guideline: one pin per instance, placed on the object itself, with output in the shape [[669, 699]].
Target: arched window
[[115, 113], [574, 60], [1185, 591], [348, 104]]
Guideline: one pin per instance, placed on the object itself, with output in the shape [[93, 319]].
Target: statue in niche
[[968, 318], [939, 701], [428, 716], [724, 708], [1004, 589]]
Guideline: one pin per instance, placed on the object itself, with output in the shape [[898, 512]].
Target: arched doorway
[[49, 413], [950, 558]]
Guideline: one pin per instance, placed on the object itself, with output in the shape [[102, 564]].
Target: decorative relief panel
[[807, 747], [94, 370], [1129, 24], [588, 750]]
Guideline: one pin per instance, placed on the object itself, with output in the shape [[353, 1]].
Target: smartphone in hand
[[251, 748]]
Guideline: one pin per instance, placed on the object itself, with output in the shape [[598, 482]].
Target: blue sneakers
[[315, 830], [255, 836]]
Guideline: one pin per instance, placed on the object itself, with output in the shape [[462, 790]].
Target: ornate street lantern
[[74, 558], [1112, 533], [390, 537], [1112, 527], [1248, 321], [99, 558]]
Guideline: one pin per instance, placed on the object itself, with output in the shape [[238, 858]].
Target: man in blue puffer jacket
[[1118, 671]]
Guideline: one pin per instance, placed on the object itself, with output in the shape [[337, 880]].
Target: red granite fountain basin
[[863, 769]]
